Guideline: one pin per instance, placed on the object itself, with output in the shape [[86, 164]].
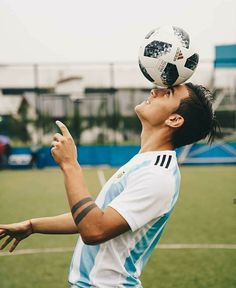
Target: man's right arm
[[61, 224], [16, 232]]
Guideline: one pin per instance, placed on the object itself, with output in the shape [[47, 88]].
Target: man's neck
[[153, 139]]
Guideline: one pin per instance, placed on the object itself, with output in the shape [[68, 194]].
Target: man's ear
[[174, 121]]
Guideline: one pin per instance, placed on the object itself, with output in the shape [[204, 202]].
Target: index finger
[[63, 128]]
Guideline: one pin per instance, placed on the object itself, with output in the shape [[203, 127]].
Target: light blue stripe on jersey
[[145, 246], [89, 253], [147, 254], [116, 188], [177, 182], [150, 249], [148, 241]]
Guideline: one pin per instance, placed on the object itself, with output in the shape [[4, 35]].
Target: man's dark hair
[[199, 118]]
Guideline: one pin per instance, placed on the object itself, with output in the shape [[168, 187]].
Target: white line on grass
[[196, 246], [160, 246], [101, 177], [37, 251]]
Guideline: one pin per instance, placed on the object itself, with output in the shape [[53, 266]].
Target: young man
[[120, 229]]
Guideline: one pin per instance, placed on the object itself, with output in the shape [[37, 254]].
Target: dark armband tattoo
[[80, 204], [84, 212]]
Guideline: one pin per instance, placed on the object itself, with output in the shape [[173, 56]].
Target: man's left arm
[[94, 225]]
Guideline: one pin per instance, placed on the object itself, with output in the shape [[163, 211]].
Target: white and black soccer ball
[[166, 56]]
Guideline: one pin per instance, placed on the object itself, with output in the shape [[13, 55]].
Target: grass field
[[205, 214]]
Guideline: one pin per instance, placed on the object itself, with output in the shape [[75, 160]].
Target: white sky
[[106, 30]]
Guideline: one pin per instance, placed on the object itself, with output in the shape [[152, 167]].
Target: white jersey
[[144, 191]]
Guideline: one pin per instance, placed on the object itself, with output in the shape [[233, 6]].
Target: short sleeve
[[147, 196]]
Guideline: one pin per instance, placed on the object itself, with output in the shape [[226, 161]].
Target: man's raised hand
[[63, 147]]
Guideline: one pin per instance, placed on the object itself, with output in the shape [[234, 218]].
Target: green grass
[[204, 213]]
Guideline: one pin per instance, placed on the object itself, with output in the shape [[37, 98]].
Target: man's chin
[[138, 109], [139, 106]]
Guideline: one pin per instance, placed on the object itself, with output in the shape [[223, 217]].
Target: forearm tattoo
[[80, 204], [84, 212]]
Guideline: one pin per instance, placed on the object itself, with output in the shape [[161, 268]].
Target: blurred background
[[77, 61]]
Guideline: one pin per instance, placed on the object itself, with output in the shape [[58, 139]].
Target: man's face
[[161, 104]]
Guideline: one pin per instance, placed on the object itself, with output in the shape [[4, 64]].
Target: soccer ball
[[166, 57]]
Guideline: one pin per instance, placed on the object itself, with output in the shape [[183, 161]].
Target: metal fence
[[96, 100]]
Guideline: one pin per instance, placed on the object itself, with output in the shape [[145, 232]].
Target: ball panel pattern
[[182, 36], [169, 75], [166, 56], [150, 33], [156, 49], [192, 62], [145, 73]]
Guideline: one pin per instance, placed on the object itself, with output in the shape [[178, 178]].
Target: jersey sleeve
[[147, 196]]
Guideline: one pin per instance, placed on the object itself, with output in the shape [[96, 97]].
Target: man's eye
[[170, 91]]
